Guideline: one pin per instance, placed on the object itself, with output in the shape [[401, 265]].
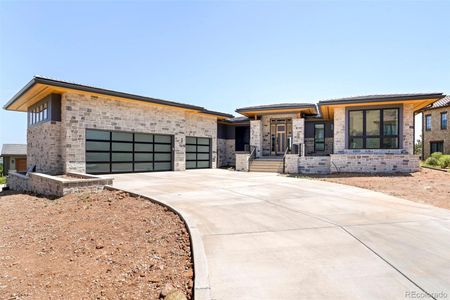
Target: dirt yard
[[91, 246], [427, 186]]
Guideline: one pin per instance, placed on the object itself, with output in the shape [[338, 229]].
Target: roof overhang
[[252, 111], [40, 87], [327, 107]]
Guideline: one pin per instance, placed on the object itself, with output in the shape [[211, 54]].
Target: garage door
[[126, 152], [198, 153]]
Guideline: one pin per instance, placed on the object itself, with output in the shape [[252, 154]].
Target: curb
[[201, 290], [436, 169]]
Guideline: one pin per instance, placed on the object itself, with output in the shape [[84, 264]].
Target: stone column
[[298, 132], [339, 130], [408, 128], [256, 136]]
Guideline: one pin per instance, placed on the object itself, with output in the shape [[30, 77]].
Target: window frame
[[444, 113], [196, 160], [381, 136], [323, 142], [436, 143], [39, 113], [426, 122]]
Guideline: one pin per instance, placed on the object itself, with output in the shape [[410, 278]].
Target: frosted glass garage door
[[198, 153], [127, 152]]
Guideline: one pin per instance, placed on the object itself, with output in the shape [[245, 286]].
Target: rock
[[175, 295], [166, 290]]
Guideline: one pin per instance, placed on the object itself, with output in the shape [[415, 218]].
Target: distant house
[[14, 158], [436, 130]]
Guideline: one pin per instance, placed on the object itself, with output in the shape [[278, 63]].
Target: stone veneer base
[[48, 185]]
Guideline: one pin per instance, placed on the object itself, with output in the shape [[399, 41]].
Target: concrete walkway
[[267, 236]]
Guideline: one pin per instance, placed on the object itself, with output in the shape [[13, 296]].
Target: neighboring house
[[14, 158], [436, 128], [79, 128]]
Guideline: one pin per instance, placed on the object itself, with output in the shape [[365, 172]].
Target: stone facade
[[242, 161], [265, 120], [256, 139], [291, 163], [436, 133], [339, 130], [314, 165], [407, 116], [80, 111], [48, 185], [374, 163], [44, 147], [226, 152]]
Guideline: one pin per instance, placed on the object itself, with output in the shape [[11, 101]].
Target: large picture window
[[373, 129]]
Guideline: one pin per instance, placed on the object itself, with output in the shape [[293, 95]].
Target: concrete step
[[265, 165]]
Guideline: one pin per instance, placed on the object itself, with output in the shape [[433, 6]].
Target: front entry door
[[281, 139]]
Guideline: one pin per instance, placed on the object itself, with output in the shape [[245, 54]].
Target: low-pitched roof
[[44, 81], [440, 103], [278, 107], [14, 149], [382, 97]]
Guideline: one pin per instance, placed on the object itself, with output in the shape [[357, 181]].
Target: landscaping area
[[438, 160], [106, 245], [426, 186]]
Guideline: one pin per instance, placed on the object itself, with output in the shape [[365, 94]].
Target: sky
[[225, 55]]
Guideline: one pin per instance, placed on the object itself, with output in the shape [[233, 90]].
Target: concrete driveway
[[267, 236]]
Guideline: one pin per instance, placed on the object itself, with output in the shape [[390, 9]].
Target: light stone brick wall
[[298, 131], [436, 133], [44, 148], [48, 185], [408, 128], [339, 130], [256, 139], [80, 111], [314, 165], [242, 161], [374, 163], [226, 152], [291, 163]]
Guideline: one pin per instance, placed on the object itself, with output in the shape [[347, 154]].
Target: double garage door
[[127, 152]]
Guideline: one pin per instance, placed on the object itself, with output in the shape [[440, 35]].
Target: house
[[80, 128], [14, 158], [435, 128]]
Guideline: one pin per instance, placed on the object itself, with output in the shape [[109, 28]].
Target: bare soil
[[426, 186], [106, 245]]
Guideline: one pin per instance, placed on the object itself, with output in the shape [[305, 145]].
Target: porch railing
[[251, 156]]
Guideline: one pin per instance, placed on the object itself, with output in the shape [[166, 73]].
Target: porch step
[[266, 165]]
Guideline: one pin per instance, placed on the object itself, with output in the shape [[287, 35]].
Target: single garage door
[[127, 152], [198, 153]]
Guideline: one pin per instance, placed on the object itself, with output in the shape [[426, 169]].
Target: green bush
[[432, 161], [2, 180], [444, 161], [436, 155]]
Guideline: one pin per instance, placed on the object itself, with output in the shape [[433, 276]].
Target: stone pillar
[[408, 128], [339, 130], [256, 136], [298, 131]]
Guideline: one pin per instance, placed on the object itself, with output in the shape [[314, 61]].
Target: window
[[38, 113], [198, 152], [319, 137], [428, 122], [374, 129], [436, 147], [444, 120]]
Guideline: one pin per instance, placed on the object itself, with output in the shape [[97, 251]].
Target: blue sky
[[224, 55]]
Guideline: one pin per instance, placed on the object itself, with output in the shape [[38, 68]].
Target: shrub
[[2, 180], [444, 161], [432, 161], [436, 155]]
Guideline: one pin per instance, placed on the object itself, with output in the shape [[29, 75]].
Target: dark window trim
[[33, 113], [110, 141], [319, 123], [426, 127], [381, 136], [446, 124]]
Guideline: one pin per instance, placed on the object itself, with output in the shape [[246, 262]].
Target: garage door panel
[[198, 153], [122, 152]]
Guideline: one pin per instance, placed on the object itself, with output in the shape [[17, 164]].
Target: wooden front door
[[21, 164]]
